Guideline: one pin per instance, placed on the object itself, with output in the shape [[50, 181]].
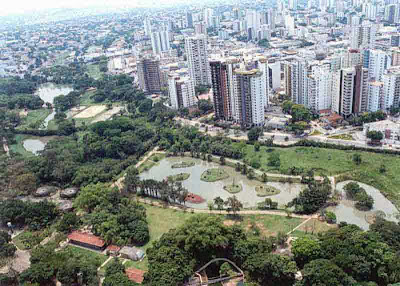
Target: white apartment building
[[147, 26], [375, 94], [320, 90], [160, 42], [378, 62], [197, 57], [363, 36], [181, 91]]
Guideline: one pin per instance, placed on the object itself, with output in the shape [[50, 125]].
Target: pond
[[47, 92], [35, 145], [346, 212], [209, 191]]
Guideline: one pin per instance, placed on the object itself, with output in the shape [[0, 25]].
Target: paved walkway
[[242, 212]]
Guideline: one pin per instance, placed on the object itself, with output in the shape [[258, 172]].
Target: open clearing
[[92, 111], [108, 114]]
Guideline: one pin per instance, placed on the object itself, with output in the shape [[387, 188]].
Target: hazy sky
[[20, 6]]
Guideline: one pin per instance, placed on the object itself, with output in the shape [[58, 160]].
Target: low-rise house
[[132, 253], [389, 129], [87, 240]]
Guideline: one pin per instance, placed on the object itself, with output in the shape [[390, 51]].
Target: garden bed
[[183, 165], [213, 175], [233, 188], [178, 177], [266, 191]]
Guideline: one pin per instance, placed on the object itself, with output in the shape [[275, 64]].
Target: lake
[[346, 212], [37, 144], [47, 92], [209, 191]]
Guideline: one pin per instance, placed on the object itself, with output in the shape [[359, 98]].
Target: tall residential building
[[346, 92], [296, 74], [253, 19], [189, 19], [395, 56], [147, 26], [292, 4], [377, 62], [391, 93], [208, 13], [222, 86], [181, 91], [250, 96], [197, 57], [149, 75], [375, 96], [363, 36], [240, 90], [360, 103], [160, 42], [320, 90], [391, 13]]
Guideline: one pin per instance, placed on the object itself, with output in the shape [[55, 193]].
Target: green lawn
[[348, 137], [29, 239], [86, 254], [18, 147], [270, 224], [162, 220], [85, 98], [34, 119]]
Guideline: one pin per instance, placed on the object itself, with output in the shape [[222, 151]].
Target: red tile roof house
[[86, 240], [135, 275]]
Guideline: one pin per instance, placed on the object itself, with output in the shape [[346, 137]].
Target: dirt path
[[5, 147], [303, 223]]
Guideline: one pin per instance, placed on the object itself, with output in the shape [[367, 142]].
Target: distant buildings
[[149, 75]]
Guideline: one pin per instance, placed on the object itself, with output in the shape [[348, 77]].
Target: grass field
[[87, 254], [213, 175], [28, 240], [85, 98], [348, 137], [270, 224], [19, 146], [315, 133], [334, 162], [34, 119]]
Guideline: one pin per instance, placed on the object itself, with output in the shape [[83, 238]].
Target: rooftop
[[86, 238], [135, 275]]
